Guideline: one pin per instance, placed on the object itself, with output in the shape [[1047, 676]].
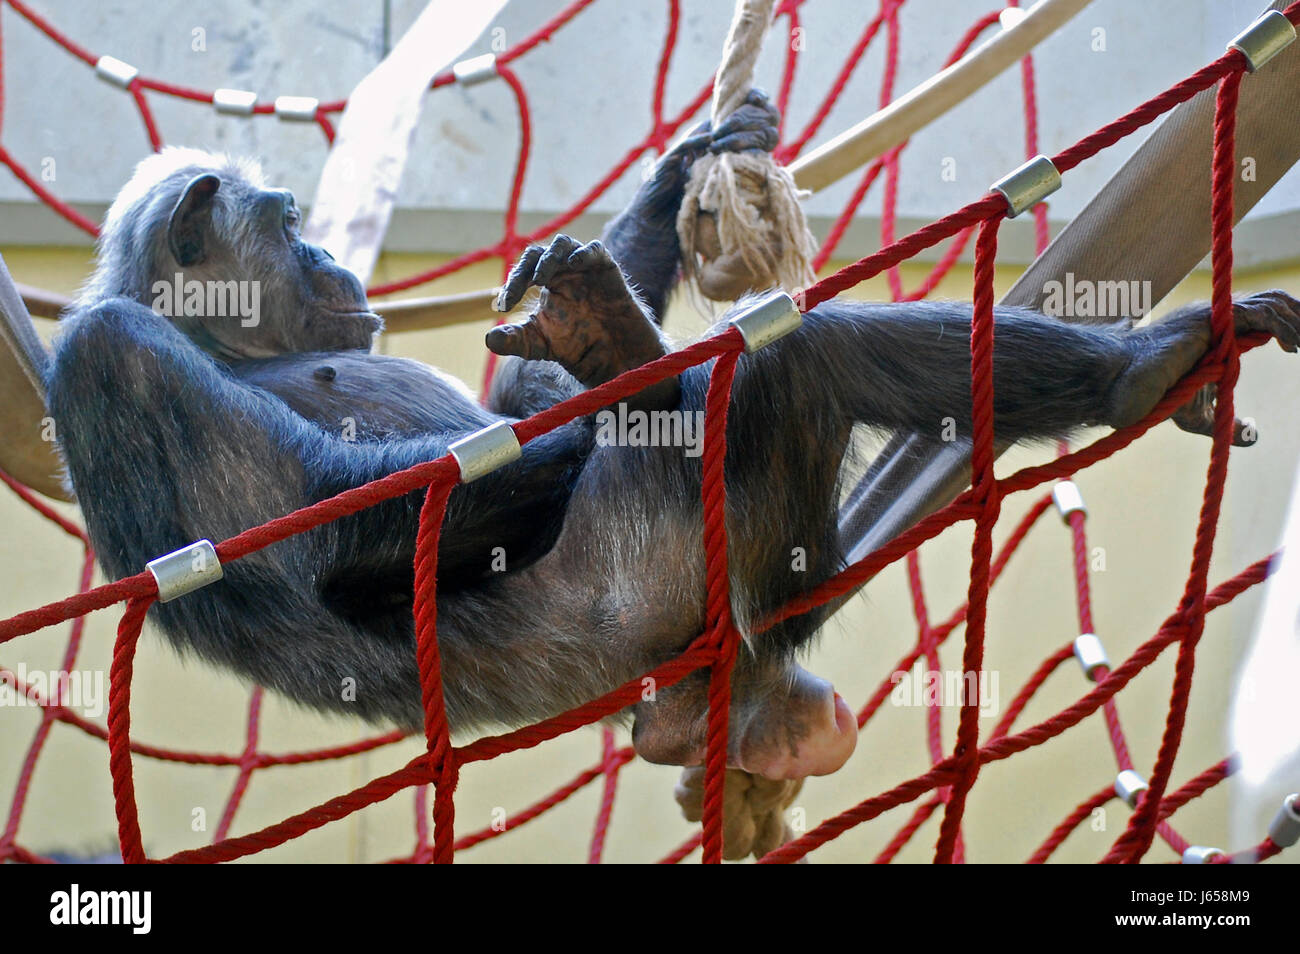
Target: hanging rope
[[740, 225]]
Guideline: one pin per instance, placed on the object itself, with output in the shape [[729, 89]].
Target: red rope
[[872, 172], [889, 211], [986, 494], [119, 729], [619, 759], [248, 763], [1005, 747], [442, 759], [146, 114], [787, 153], [660, 134], [511, 244], [950, 778], [610, 763], [717, 604], [918, 818], [1132, 845], [1071, 822], [49, 715], [681, 852]]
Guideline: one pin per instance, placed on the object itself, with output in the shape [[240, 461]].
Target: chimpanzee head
[[199, 238]]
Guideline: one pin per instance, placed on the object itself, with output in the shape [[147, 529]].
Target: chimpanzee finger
[[590, 256], [694, 143], [520, 278], [1286, 319], [742, 120], [554, 259], [1197, 417], [758, 99], [522, 339], [1273, 312], [764, 139]]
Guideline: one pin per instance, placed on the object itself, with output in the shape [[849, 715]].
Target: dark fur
[[167, 442]]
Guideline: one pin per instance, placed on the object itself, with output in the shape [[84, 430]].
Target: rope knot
[[740, 224], [742, 227]]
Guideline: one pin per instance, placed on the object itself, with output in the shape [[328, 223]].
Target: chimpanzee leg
[[898, 367], [907, 366]]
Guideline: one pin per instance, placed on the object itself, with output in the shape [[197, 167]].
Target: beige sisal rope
[[752, 810], [741, 226]]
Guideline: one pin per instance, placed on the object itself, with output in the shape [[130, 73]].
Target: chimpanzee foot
[[1167, 350], [586, 319], [1197, 417], [793, 725]]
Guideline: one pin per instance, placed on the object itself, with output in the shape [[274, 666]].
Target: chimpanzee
[[181, 427]]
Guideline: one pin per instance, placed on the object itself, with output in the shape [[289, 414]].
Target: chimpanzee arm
[[164, 446], [643, 238]]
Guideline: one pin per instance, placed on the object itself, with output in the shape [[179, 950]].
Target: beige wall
[[1143, 508]]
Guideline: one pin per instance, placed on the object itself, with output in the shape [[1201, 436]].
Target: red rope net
[[948, 782]]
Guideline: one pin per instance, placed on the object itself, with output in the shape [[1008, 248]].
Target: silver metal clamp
[[1027, 185], [1068, 499], [115, 71], [1264, 39], [185, 570], [486, 450], [1091, 654], [235, 102], [297, 108], [475, 70], [1129, 785], [1285, 828], [767, 320]]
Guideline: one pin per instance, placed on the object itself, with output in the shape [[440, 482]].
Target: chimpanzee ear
[[191, 219]]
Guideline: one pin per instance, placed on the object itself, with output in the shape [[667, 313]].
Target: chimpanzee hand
[[586, 319], [753, 126], [1167, 350], [643, 237]]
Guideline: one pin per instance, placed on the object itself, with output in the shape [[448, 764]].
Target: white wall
[[590, 93]]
